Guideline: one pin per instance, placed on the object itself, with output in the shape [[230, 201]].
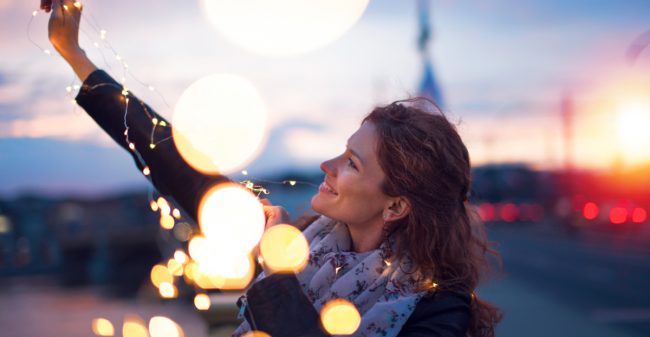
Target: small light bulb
[[77, 4], [47, 51], [146, 171], [154, 121], [118, 57], [76, 87], [152, 146], [65, 7], [244, 172], [73, 101], [131, 146], [292, 182], [34, 13], [151, 88], [162, 123], [68, 89]]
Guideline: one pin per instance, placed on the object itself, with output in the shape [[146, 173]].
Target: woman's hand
[[275, 215], [63, 27], [63, 31]]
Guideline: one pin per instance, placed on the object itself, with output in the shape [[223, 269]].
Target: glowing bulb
[[34, 13], [125, 92], [180, 256], [153, 205], [76, 87], [163, 205], [68, 89], [160, 274], [152, 146], [219, 123], [103, 327], [340, 317], [166, 221], [146, 171], [162, 123], [292, 182], [175, 267], [47, 51], [77, 4], [256, 333], [134, 327], [284, 249], [283, 27], [160, 326], [154, 121], [131, 146], [202, 301], [176, 213], [65, 7], [151, 88], [232, 217], [118, 57], [167, 290]]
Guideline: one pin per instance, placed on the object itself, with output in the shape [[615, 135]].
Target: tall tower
[[428, 84]]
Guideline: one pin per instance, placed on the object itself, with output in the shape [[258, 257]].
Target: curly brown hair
[[425, 160]]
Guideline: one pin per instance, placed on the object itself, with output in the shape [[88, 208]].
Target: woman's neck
[[364, 239]]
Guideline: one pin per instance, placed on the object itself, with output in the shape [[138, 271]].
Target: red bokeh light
[[639, 215], [487, 211], [590, 211], [618, 215], [509, 212]]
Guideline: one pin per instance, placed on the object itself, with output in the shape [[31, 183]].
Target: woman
[[395, 234]]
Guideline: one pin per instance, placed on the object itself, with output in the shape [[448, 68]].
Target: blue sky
[[503, 66]]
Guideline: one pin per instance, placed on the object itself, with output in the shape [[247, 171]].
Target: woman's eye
[[351, 163]]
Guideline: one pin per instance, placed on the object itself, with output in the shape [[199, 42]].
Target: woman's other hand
[[275, 215]]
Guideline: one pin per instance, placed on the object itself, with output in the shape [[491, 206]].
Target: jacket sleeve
[[132, 122], [443, 314]]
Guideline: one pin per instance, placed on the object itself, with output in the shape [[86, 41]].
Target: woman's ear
[[397, 208]]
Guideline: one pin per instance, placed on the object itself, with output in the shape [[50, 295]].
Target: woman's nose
[[328, 167]]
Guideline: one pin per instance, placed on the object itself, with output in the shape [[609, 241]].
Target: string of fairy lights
[[169, 215]]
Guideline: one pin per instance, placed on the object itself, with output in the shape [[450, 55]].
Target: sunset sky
[[503, 65]]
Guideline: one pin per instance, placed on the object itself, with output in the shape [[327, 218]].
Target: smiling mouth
[[325, 187]]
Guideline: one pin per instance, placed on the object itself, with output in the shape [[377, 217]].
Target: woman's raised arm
[[128, 120]]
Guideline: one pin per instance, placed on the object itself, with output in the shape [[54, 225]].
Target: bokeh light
[[230, 273], [168, 290], [232, 217], [202, 301], [160, 274], [284, 249], [166, 221], [340, 317], [283, 27], [256, 333], [590, 211], [220, 123], [134, 327], [103, 327], [175, 267], [160, 326]]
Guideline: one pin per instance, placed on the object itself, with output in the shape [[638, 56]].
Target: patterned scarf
[[383, 292]]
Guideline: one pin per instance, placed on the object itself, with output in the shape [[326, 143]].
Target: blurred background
[[551, 98]]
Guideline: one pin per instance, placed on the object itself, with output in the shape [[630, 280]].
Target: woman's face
[[351, 191]]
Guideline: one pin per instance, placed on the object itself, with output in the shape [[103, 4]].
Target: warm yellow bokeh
[[166, 221], [202, 301], [168, 290], [340, 317], [232, 218], [160, 274], [284, 249], [220, 124], [163, 205], [160, 326], [256, 334], [283, 27], [103, 327], [175, 267], [134, 327], [180, 256], [232, 273]]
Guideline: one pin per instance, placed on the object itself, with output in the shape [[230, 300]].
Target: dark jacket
[[276, 304]]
